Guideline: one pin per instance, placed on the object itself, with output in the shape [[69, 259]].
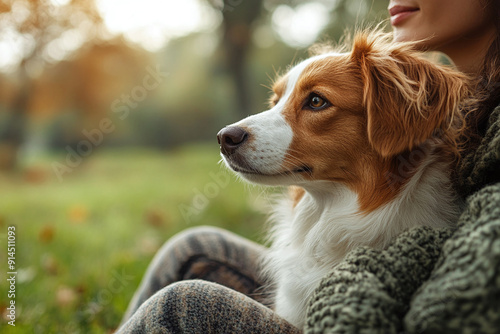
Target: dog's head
[[344, 116]]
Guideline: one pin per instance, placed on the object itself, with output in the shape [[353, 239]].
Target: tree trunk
[[12, 139]]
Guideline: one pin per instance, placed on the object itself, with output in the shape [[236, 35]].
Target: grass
[[83, 244]]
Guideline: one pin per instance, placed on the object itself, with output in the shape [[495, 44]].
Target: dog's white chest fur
[[304, 250]]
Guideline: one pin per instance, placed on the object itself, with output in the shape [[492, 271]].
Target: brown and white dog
[[366, 140]]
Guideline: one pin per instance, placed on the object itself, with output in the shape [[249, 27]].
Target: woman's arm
[[370, 291]]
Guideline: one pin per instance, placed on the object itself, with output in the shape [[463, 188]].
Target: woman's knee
[[183, 248], [178, 307], [197, 306]]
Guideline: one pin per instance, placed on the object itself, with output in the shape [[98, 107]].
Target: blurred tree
[[41, 27], [351, 14], [67, 63], [238, 18], [85, 88]]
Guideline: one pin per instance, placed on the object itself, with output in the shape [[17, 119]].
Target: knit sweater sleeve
[[370, 290], [463, 292]]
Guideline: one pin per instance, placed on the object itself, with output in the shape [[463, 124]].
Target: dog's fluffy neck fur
[[312, 236]]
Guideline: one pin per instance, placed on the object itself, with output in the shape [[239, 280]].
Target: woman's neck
[[468, 53]]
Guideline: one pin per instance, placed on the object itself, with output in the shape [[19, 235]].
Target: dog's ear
[[406, 96]]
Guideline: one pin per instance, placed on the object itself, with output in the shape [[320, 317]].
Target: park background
[[108, 116]]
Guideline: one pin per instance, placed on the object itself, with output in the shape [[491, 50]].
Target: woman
[[427, 280]]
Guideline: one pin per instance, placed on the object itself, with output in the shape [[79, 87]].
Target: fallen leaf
[[81, 288], [49, 264], [46, 233], [78, 214], [155, 217], [148, 245], [35, 175], [66, 296]]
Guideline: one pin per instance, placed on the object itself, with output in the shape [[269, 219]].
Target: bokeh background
[[108, 116]]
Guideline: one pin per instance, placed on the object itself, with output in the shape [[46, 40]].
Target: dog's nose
[[230, 138]]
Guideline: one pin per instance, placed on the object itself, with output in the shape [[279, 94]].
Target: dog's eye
[[316, 102]]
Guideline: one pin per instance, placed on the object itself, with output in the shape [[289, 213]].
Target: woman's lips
[[401, 13]]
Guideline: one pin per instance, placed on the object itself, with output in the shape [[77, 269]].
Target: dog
[[366, 140]]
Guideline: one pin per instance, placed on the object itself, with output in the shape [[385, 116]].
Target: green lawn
[[83, 244]]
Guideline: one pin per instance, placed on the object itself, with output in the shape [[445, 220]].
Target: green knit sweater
[[427, 280]]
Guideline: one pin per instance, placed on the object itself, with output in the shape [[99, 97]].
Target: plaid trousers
[[204, 280]]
